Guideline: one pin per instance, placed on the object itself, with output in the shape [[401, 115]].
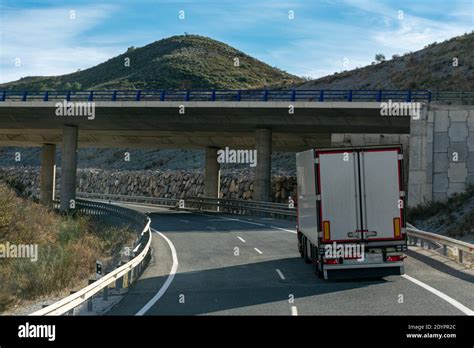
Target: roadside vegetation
[[67, 249], [453, 217]]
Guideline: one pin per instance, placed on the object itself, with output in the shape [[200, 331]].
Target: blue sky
[[325, 35]]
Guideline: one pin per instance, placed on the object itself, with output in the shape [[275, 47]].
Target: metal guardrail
[[234, 206], [317, 95], [455, 249], [457, 97], [219, 95], [126, 198], [124, 273]]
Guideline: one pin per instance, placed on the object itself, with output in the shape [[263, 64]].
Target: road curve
[[233, 265]]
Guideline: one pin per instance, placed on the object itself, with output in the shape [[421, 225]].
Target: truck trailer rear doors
[[359, 194]]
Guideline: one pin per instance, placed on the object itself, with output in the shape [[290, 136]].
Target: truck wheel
[[320, 274], [306, 243]]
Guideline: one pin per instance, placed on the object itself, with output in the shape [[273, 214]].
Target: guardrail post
[[379, 96], [460, 256], [429, 96], [91, 96], [409, 96], [321, 95], [119, 283], [349, 97], [46, 96], [114, 96], [239, 95], [129, 278], [293, 95], [68, 96], [138, 96], [422, 243], [90, 301], [162, 96], [4, 95], [265, 95], [188, 94], [105, 294], [71, 311], [213, 95], [25, 93], [445, 250]]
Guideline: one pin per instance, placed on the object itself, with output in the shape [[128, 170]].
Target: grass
[[67, 249], [447, 211], [453, 203]]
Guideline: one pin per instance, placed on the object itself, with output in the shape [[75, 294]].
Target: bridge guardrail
[[125, 273], [316, 95], [264, 95]]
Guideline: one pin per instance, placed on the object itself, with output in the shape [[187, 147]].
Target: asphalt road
[[208, 263]]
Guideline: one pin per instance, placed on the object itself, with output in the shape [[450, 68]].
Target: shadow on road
[[440, 266], [234, 287], [179, 221]]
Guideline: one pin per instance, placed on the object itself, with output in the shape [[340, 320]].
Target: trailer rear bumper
[[364, 265], [363, 271]]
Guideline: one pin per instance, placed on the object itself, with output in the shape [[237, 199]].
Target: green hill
[[178, 62]]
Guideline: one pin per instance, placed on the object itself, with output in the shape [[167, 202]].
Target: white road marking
[[283, 229], [185, 221], [258, 251], [241, 239], [294, 310], [211, 228], [168, 281], [280, 274], [438, 293]]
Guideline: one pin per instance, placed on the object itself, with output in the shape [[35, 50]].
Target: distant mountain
[[429, 68], [177, 62]]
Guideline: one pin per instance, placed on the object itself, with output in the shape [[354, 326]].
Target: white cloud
[[49, 42]]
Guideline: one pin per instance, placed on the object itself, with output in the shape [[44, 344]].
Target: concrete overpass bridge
[[280, 120]]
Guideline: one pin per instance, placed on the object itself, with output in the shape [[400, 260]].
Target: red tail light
[[331, 261], [396, 258]]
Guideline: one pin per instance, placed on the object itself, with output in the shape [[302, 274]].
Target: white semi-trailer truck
[[351, 211]]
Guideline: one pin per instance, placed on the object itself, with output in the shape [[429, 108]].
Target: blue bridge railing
[[221, 95]]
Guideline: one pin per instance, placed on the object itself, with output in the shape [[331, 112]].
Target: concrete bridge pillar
[[68, 166], [48, 174], [262, 183], [211, 175]]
